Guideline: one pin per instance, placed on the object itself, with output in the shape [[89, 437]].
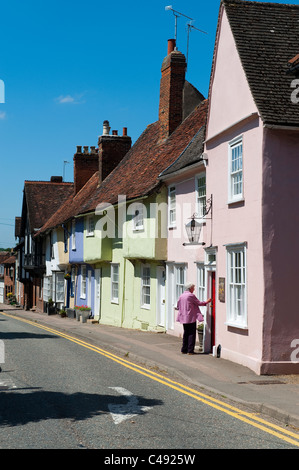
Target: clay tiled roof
[[4, 255], [190, 155], [10, 260], [138, 173], [42, 199], [267, 38], [71, 207]]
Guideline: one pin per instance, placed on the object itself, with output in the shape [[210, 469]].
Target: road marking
[[250, 418], [121, 412], [7, 384]]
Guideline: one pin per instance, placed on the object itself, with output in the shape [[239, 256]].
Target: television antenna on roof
[[189, 27], [176, 15]]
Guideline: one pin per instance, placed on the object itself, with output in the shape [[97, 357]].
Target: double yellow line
[[250, 418]]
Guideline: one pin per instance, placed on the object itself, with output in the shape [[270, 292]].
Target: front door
[[161, 272], [97, 293], [213, 310]]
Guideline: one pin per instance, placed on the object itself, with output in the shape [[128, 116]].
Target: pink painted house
[[248, 164], [252, 142], [188, 262]]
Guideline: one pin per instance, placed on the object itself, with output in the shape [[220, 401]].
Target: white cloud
[[2, 115], [62, 99]]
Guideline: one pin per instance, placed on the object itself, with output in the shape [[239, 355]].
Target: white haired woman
[[189, 312]]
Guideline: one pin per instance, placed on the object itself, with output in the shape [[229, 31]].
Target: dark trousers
[[189, 337]]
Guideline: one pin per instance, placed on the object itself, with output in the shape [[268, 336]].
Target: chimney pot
[[79, 149], [171, 46], [114, 132], [85, 149], [125, 131], [56, 179], [106, 128]]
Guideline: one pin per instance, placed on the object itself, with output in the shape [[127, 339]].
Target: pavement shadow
[[23, 335], [21, 408]]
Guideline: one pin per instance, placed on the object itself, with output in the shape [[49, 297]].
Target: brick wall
[[112, 149], [171, 91], [85, 165]]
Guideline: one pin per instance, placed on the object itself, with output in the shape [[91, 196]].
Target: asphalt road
[[57, 393]]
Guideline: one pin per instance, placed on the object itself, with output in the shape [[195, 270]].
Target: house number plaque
[[222, 289]]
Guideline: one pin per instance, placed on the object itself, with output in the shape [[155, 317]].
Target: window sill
[[115, 302], [236, 325], [241, 199], [146, 307]]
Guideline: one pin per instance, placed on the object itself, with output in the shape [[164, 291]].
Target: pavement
[[274, 396]]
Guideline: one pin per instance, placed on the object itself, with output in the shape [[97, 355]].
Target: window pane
[[236, 169], [145, 286], [114, 282], [237, 286]]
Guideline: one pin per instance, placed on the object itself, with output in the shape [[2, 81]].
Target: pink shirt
[[188, 306]]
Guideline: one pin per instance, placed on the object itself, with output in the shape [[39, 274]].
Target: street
[[58, 392]]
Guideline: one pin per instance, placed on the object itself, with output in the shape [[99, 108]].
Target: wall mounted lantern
[[193, 228]]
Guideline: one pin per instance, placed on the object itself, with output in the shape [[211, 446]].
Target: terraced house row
[[207, 194]]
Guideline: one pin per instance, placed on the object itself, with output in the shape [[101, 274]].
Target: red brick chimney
[[112, 149], [85, 165], [171, 90]]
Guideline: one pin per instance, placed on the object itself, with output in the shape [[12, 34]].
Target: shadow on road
[[22, 408], [16, 335]]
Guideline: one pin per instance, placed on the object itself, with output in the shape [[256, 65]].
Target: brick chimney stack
[[112, 149], [171, 90], [85, 165]]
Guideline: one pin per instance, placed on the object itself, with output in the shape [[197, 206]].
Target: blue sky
[[69, 65]]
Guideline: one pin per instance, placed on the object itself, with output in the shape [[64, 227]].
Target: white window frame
[[236, 175], [138, 219], [115, 283], [179, 280], [201, 195], [145, 286], [83, 282], [73, 234], [59, 287], [90, 226], [236, 289], [201, 281], [171, 206], [47, 288]]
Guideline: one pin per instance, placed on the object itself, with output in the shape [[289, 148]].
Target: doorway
[[97, 293], [213, 309], [210, 268], [161, 274]]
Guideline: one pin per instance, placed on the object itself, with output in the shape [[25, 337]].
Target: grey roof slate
[[267, 38], [190, 155]]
